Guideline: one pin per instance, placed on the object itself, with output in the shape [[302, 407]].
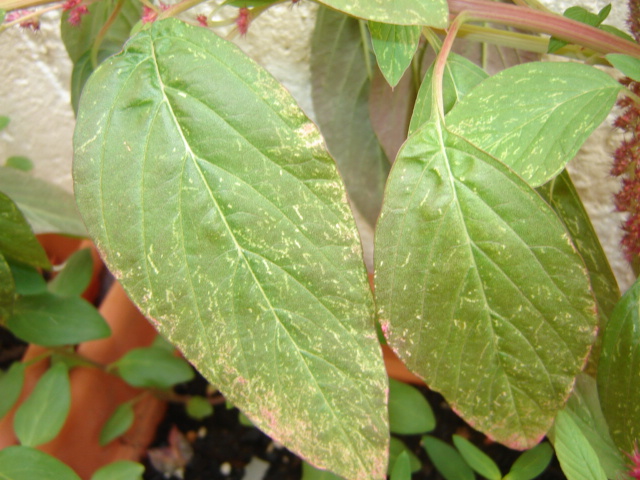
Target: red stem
[[543, 22]]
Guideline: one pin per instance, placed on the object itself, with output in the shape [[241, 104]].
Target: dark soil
[[220, 441]]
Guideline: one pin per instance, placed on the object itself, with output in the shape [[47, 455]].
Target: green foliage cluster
[[53, 314], [226, 214]]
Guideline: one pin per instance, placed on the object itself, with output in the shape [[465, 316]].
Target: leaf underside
[[479, 289], [213, 201], [340, 91]]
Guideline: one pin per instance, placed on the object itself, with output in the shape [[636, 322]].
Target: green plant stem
[[38, 359], [543, 22], [82, 360], [178, 8], [103, 32]]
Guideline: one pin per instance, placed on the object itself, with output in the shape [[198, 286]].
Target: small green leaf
[[49, 320], [163, 343], [584, 408], [460, 76], [42, 415], [242, 418], [4, 120], [483, 297], [118, 423], [397, 448], [577, 458], [11, 385], [431, 13], [401, 468], [535, 135], [25, 463], [580, 14], [199, 407], [309, 472], [477, 459], [447, 460], [120, 470], [20, 163], [604, 13], [28, 280], [340, 92], [7, 290], [47, 207], [153, 367], [394, 46], [409, 411], [619, 370], [531, 463], [629, 66], [17, 241], [75, 276]]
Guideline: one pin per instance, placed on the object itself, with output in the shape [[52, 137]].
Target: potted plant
[[225, 215]]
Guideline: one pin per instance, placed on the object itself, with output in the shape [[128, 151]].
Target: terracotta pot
[[94, 393]]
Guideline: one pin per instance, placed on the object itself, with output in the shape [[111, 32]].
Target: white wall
[[36, 74]]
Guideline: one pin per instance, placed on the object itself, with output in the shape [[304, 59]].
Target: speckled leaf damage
[[432, 13], [479, 288], [213, 200]]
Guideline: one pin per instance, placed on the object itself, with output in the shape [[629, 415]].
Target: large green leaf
[[584, 409], [460, 76], [17, 241], [340, 91], [212, 199], [564, 199], [394, 46], [619, 370], [47, 207], [534, 117], [433, 13], [479, 289], [25, 463], [42, 415]]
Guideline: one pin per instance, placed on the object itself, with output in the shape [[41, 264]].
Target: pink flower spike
[[148, 15], [69, 4], [32, 23], [243, 20], [75, 16], [634, 468], [202, 20]]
